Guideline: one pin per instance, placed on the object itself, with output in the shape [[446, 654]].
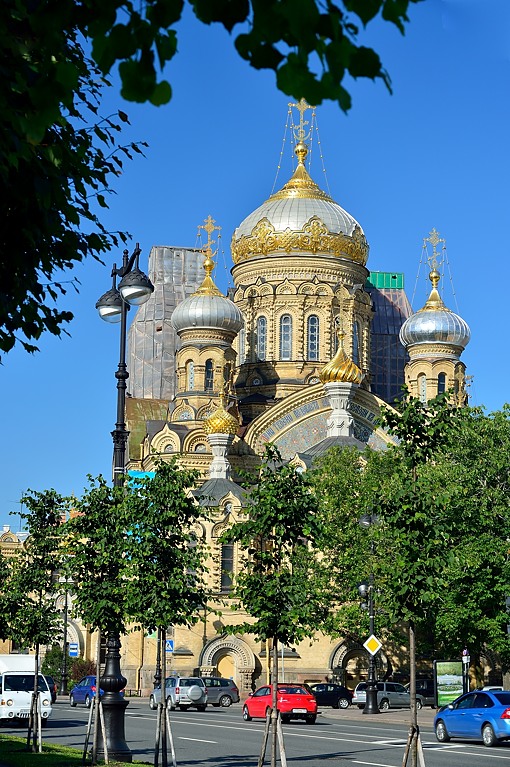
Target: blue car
[[478, 715], [84, 691]]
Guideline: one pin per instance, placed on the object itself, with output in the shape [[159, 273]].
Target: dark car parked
[[335, 695], [53, 687], [221, 691]]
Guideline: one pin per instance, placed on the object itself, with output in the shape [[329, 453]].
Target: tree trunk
[[412, 686], [274, 712]]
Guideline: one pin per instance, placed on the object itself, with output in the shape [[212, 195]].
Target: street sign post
[[73, 649]]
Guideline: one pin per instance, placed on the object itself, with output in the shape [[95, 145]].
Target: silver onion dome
[[207, 307], [435, 323]]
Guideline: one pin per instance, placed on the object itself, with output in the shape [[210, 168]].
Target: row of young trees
[[439, 552]]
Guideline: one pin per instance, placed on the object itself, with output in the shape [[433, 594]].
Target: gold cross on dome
[[302, 106], [209, 227], [434, 239]]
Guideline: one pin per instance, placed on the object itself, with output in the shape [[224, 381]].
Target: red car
[[294, 702]]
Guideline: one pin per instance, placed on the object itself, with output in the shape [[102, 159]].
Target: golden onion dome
[[300, 217], [221, 421], [341, 368]]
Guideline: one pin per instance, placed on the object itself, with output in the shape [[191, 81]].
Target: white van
[[17, 674]]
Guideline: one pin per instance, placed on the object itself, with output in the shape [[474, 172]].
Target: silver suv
[[182, 692], [389, 695], [220, 691]]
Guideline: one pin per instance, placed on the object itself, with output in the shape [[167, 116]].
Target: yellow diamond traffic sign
[[372, 645]]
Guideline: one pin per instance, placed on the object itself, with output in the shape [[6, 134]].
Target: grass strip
[[13, 753]]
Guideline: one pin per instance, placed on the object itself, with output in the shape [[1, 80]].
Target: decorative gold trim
[[313, 238]]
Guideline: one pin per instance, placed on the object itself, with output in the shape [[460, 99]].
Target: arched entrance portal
[[229, 656], [349, 664]]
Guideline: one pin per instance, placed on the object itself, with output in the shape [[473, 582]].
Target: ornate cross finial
[[300, 133], [436, 259], [209, 227]]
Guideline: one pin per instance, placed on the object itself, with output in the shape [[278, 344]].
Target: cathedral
[[302, 352]]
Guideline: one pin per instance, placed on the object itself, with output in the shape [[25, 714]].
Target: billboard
[[449, 680]]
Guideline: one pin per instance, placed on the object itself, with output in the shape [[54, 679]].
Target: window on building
[[355, 343], [227, 567], [261, 338], [242, 346], [209, 376], [312, 337], [285, 337], [190, 375], [422, 387], [441, 383]]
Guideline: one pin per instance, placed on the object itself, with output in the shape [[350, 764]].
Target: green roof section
[[383, 280]]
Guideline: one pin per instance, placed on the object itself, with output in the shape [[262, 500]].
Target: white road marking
[[197, 740]]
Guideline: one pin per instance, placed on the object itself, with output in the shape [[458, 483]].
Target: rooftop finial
[[300, 134], [435, 261], [208, 287]]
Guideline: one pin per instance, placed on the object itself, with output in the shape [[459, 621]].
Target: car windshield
[[23, 683], [502, 697]]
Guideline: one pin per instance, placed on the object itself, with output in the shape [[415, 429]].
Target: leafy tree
[[56, 156], [52, 662], [97, 541], [166, 559], [56, 153], [81, 667], [276, 585], [31, 581]]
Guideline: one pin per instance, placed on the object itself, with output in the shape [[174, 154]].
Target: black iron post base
[[114, 705], [371, 706]]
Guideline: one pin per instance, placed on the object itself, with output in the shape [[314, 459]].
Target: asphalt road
[[220, 738]]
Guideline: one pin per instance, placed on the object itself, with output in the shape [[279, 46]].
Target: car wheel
[[72, 701], [311, 718], [169, 704], [441, 732], [87, 701], [343, 703], [183, 708], [285, 718], [152, 703], [419, 704], [246, 714], [202, 707], [225, 701], [488, 736], [384, 705]]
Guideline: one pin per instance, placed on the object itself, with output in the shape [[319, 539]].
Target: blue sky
[[433, 154]]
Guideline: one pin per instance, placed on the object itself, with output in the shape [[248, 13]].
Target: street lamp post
[[134, 289], [63, 676], [366, 590]]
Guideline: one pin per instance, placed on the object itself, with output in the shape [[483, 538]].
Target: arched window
[[261, 338], [190, 375], [242, 346], [312, 338], [355, 343], [285, 337], [209, 376], [441, 383], [227, 567], [422, 387]]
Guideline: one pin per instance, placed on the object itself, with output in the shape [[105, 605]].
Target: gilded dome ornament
[[221, 421], [300, 218], [341, 369]]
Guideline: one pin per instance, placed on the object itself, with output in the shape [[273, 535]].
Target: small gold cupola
[[221, 421], [341, 369]]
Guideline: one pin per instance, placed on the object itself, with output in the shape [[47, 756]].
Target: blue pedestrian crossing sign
[[169, 645]]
